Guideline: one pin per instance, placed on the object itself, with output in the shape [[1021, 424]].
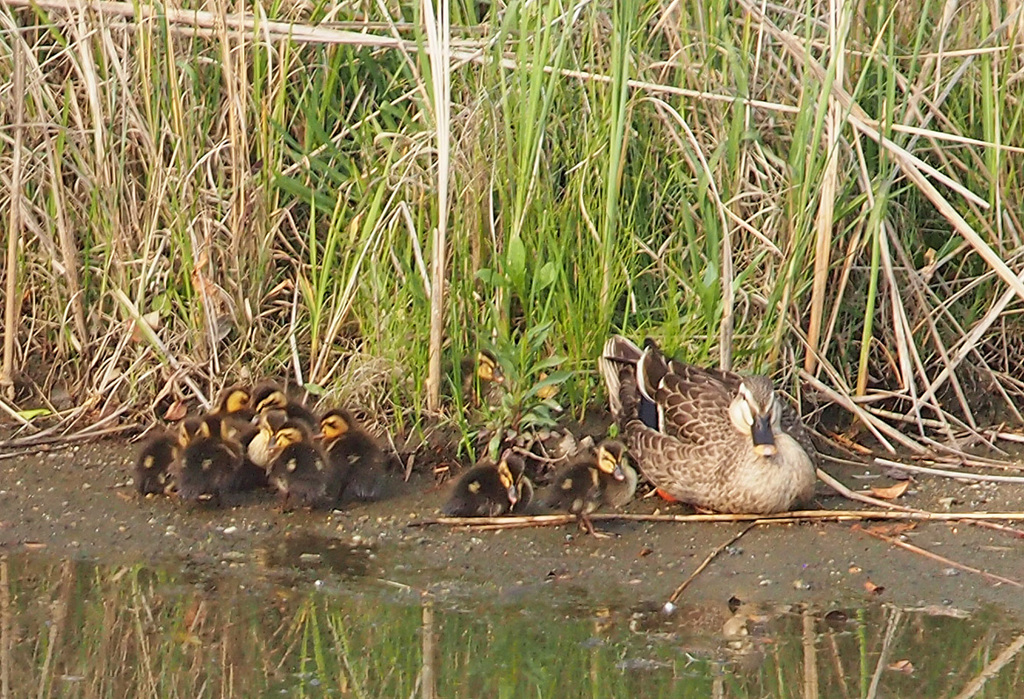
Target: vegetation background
[[338, 191]]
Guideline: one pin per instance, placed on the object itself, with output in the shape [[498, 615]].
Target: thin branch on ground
[[991, 577], [707, 561]]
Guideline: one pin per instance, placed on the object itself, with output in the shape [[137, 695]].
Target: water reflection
[[75, 629]]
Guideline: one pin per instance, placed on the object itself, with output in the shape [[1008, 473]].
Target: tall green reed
[[265, 201]]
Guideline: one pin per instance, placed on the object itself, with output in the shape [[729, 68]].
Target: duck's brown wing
[[699, 474], [694, 411], [729, 382]]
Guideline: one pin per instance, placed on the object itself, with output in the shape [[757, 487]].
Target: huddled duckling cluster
[[260, 437], [711, 438], [597, 478]]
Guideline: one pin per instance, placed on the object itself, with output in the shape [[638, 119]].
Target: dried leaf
[[849, 443], [904, 666], [176, 411], [890, 529], [873, 588], [891, 492], [152, 321]]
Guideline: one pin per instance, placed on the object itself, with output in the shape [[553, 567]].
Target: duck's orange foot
[[665, 496]]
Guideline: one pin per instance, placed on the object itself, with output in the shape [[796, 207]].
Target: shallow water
[[317, 624]]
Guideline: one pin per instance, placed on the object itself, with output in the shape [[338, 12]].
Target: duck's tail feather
[[650, 369], [618, 363]]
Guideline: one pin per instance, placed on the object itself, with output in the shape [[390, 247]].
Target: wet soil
[[78, 502]]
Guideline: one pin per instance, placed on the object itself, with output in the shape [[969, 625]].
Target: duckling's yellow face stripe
[[277, 400], [287, 436], [237, 401], [334, 426], [227, 431], [606, 461], [508, 482], [184, 434], [487, 368], [505, 475]]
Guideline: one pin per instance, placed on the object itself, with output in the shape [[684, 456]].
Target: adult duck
[[715, 439]]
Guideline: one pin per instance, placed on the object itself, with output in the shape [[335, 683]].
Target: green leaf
[[515, 259], [32, 414], [493, 278], [536, 335], [555, 379], [548, 363], [546, 276]]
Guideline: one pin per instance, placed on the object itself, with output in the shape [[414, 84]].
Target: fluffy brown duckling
[[482, 378], [356, 461], [209, 459], [270, 396], [157, 459], [258, 448], [490, 490], [237, 402], [584, 486], [298, 469]]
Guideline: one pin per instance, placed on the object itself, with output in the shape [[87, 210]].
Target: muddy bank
[[78, 502]]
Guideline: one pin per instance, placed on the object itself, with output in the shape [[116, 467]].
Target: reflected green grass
[[77, 629]]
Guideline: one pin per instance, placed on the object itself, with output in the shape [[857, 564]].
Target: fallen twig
[[513, 522], [992, 577], [35, 442], [860, 497], [707, 561], [958, 475]]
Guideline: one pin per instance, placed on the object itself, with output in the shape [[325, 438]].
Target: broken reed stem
[[707, 561], [518, 522], [858, 497], [895, 617], [14, 229], [958, 475], [992, 669], [5, 628], [867, 499], [992, 577], [438, 30]]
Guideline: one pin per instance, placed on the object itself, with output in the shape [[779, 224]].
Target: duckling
[[268, 396], [356, 460], [234, 408], [235, 404], [156, 460], [584, 486], [236, 401], [258, 448], [298, 470], [209, 459], [490, 490], [482, 378]]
